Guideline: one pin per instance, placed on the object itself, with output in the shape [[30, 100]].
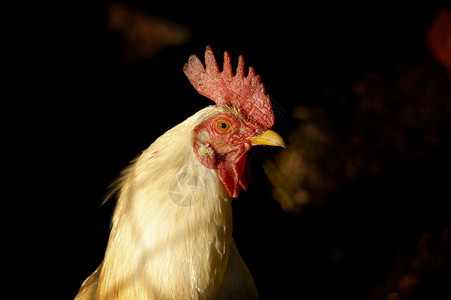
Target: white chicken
[[171, 235]]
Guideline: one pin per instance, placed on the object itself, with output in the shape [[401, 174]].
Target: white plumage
[[171, 235]]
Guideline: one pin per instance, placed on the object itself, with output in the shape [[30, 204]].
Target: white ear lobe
[[206, 151], [204, 147], [203, 137], [205, 154]]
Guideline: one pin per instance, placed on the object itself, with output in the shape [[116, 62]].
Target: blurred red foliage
[[439, 37]]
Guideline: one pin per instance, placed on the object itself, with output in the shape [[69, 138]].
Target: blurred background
[[356, 207]]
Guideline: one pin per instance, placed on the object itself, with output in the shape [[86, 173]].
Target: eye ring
[[223, 125]]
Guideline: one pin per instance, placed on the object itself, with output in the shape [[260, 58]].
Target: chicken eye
[[223, 125]]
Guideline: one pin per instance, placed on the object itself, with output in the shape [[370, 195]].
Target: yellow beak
[[269, 138]]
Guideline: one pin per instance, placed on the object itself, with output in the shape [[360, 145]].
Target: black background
[[95, 115]]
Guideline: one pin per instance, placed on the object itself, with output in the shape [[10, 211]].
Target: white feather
[[171, 235]]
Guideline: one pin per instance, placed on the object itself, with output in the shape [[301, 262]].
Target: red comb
[[245, 93]]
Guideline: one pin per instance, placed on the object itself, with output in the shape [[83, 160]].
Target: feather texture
[[171, 235]]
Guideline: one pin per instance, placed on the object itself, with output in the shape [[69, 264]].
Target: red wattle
[[231, 171]]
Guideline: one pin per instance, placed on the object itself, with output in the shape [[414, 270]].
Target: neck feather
[[171, 230]]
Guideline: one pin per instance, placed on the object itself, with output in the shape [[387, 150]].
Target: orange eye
[[223, 125]]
